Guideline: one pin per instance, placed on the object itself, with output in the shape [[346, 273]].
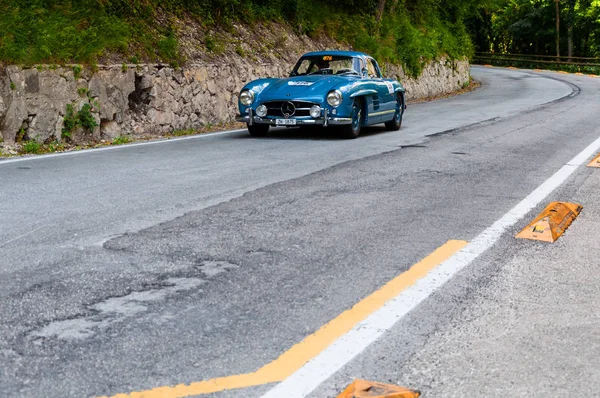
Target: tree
[[380, 9], [557, 30]]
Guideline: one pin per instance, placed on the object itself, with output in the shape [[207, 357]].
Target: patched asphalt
[[212, 257]]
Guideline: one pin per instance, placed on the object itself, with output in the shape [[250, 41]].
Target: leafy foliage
[[55, 31], [529, 26], [82, 118]]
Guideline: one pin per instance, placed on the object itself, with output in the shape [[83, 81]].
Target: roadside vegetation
[[550, 34], [32, 147], [410, 32]]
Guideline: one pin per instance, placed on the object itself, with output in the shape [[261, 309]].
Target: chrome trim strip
[[324, 121], [383, 113], [339, 120]]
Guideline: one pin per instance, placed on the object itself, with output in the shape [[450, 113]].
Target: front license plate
[[285, 122]]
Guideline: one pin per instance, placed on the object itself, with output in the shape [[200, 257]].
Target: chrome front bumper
[[322, 121]]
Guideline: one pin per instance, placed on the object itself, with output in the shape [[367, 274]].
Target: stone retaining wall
[[155, 99]]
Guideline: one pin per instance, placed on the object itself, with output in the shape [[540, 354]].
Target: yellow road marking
[[293, 359]]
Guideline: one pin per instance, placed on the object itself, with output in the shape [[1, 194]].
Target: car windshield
[[327, 65]]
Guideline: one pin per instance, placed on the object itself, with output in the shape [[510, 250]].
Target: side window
[[373, 69], [303, 68], [358, 65]]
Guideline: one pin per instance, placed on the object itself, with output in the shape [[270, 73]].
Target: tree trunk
[[570, 30], [380, 9], [557, 31]]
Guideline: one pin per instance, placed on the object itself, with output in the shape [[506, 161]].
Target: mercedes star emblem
[[288, 109]]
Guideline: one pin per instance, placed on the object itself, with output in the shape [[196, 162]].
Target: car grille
[[302, 108]]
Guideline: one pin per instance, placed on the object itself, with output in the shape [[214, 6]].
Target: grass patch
[[214, 45], [181, 133], [31, 147], [77, 69], [56, 146], [20, 137], [120, 140], [61, 31], [240, 51]]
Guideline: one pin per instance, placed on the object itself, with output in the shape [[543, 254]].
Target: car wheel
[[258, 130], [352, 130], [396, 122]]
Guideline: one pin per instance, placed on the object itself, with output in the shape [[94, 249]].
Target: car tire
[[352, 130], [396, 122], [258, 130]]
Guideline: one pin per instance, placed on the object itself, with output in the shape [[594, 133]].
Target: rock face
[[438, 77], [156, 99]]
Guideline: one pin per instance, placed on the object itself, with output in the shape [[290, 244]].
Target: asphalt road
[[154, 265]]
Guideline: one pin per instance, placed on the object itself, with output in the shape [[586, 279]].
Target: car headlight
[[334, 98], [261, 111], [247, 97], [315, 111]]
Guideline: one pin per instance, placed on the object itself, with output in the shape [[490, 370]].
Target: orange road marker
[[369, 389], [595, 162], [563, 72], [488, 66], [552, 222], [512, 67], [579, 74], [538, 70]]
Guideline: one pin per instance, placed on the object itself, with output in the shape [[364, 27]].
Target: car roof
[[336, 53]]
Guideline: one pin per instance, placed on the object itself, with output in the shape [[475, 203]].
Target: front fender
[[258, 85], [361, 93]]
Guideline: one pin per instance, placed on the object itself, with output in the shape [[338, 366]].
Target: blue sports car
[[327, 88]]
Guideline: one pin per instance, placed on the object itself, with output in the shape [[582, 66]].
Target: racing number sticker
[[390, 87], [327, 58]]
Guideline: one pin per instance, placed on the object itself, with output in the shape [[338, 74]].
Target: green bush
[[82, 118]]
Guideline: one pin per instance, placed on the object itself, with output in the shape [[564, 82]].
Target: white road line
[[110, 148], [343, 350]]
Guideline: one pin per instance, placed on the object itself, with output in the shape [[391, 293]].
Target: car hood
[[310, 88]]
